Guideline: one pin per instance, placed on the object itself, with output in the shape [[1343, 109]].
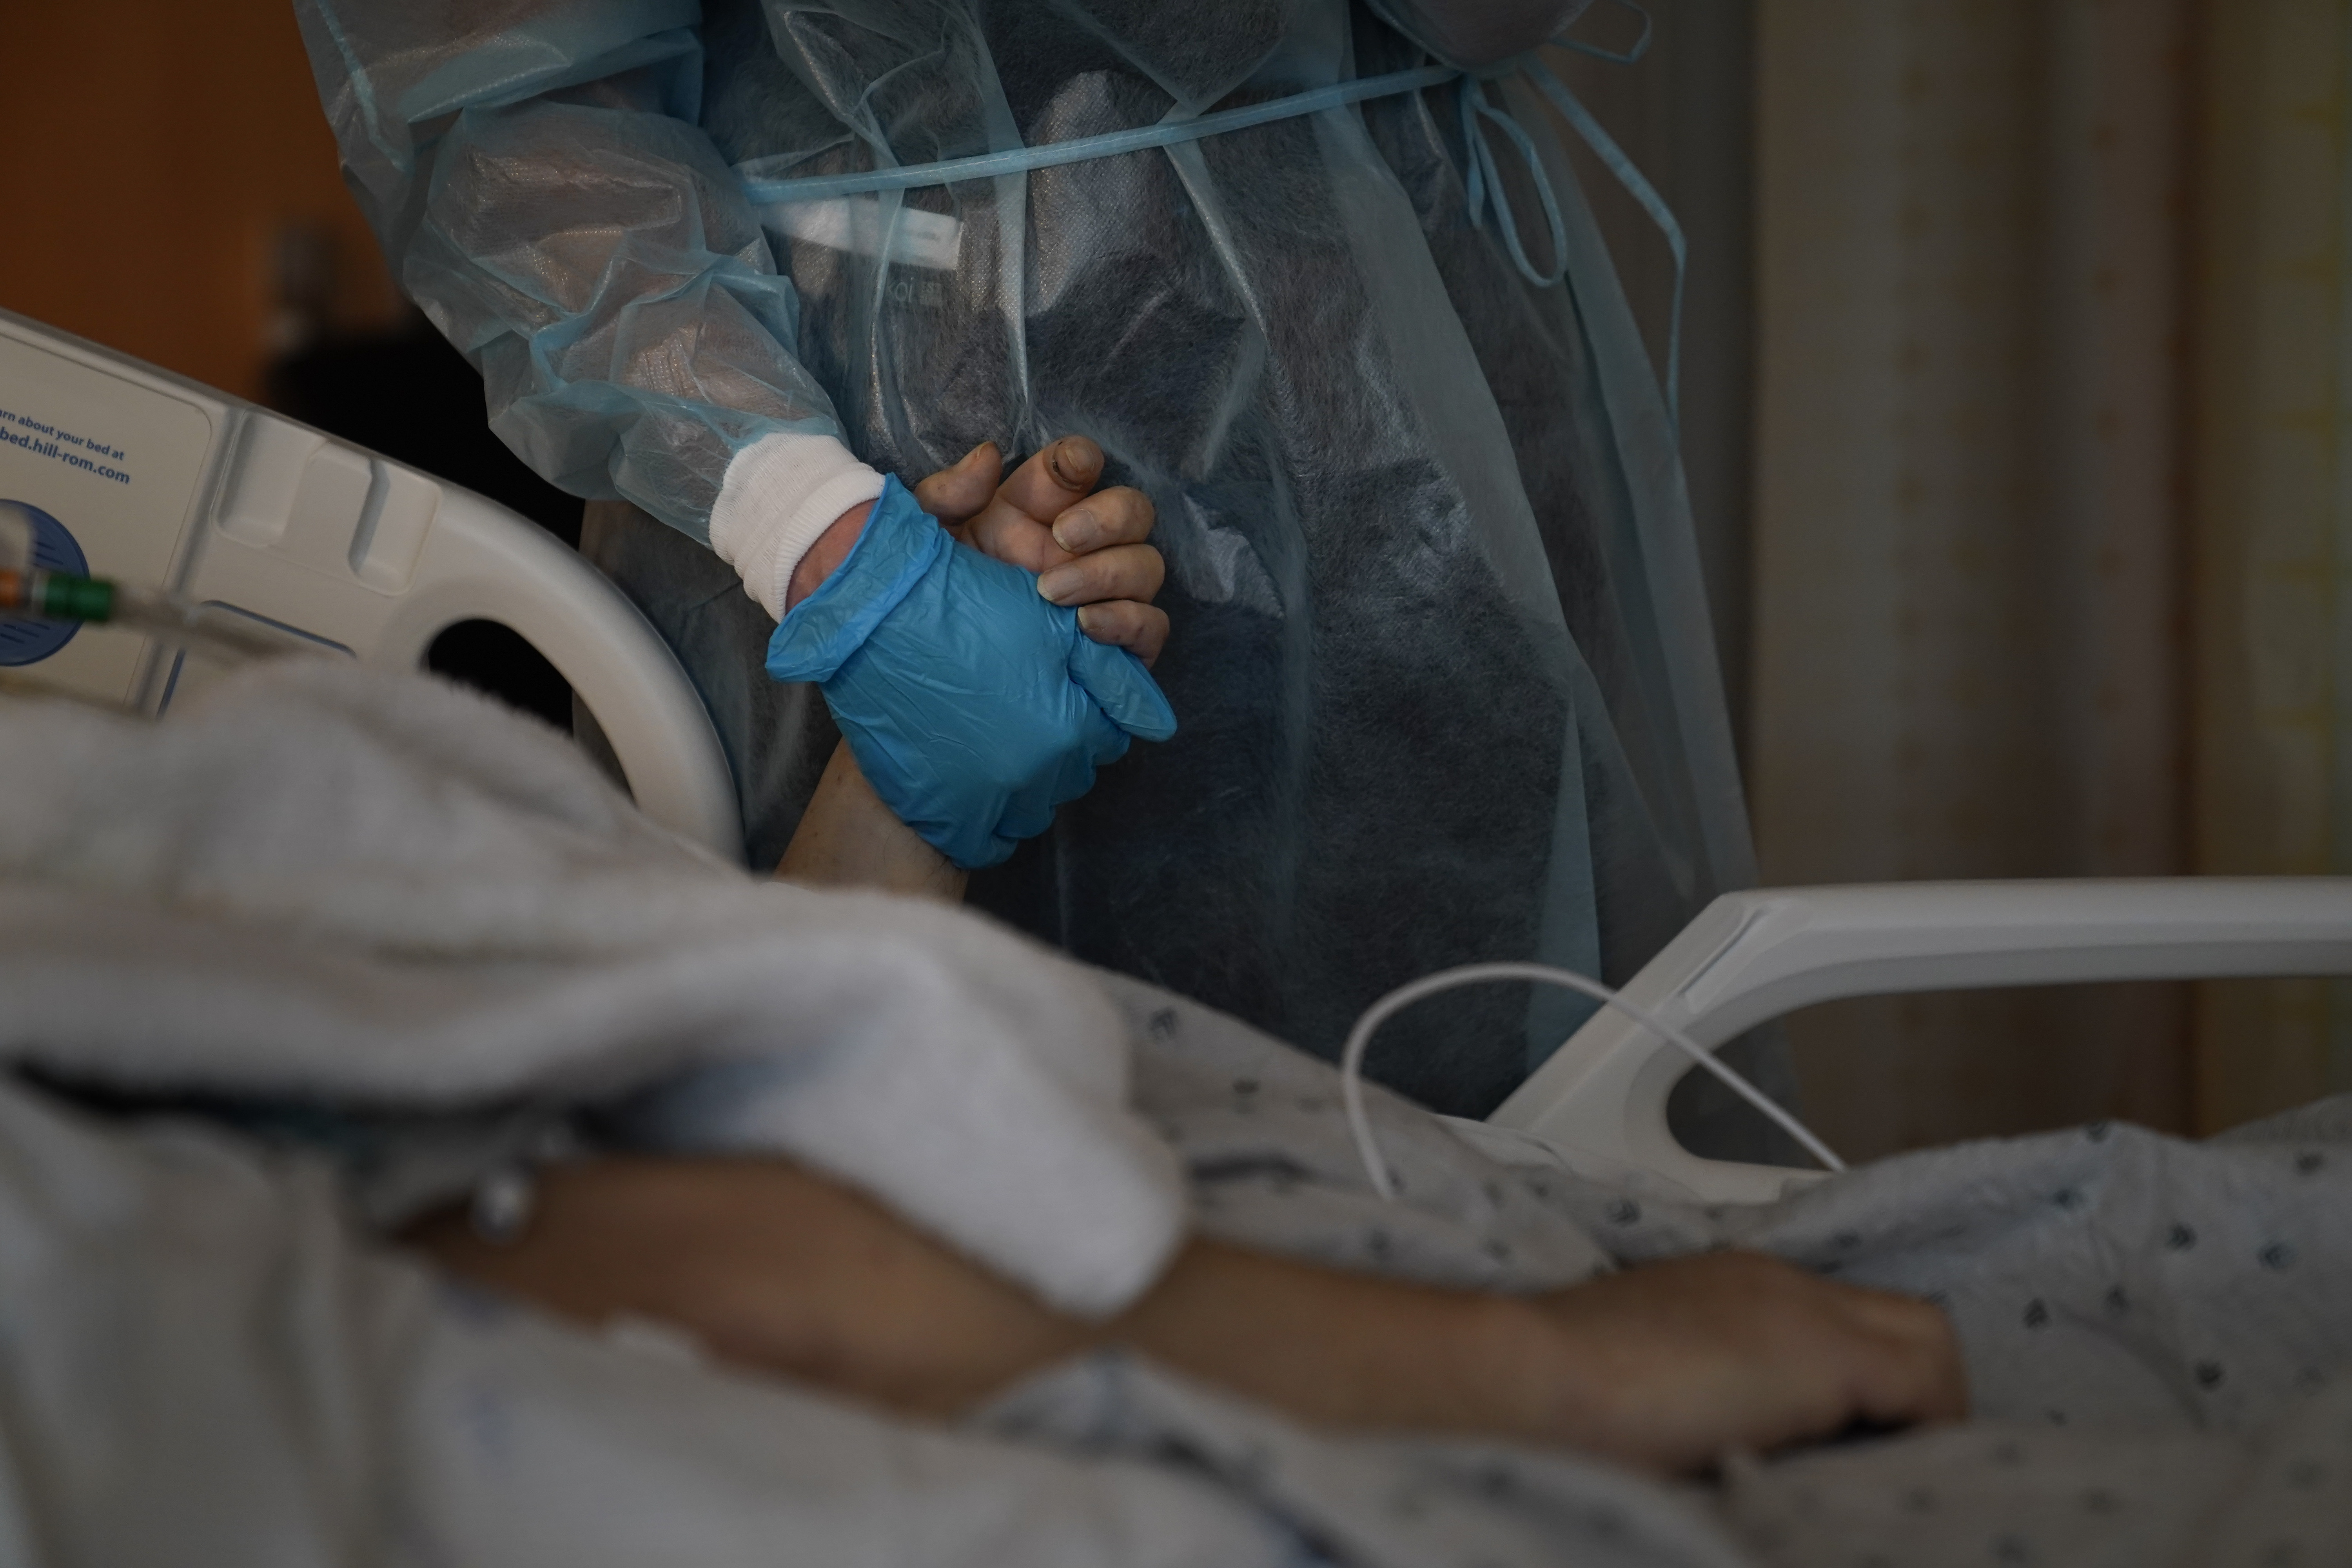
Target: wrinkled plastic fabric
[[1440, 652], [542, 190], [973, 706]]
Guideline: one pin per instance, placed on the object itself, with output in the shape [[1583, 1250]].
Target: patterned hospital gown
[[2158, 1336]]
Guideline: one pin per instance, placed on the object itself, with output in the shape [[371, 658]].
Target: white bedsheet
[[381, 891], [203, 1359]]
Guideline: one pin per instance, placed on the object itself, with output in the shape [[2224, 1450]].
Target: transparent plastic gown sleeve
[[539, 184]]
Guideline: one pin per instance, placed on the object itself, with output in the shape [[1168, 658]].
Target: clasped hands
[[980, 689], [1090, 549]]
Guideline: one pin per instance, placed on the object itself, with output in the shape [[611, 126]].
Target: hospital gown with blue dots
[[2158, 1333]]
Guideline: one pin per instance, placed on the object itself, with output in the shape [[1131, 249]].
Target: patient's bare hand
[[1670, 1364], [1088, 547], [1088, 550]]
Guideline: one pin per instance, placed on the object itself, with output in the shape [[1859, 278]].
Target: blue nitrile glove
[[973, 706]]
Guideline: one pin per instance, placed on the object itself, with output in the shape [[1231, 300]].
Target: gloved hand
[[972, 705]]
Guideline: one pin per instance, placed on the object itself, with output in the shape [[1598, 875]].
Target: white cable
[[1351, 1059]]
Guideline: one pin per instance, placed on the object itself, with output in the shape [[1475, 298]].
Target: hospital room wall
[[2052, 533], [1966, 657], [169, 186], [2270, 603]]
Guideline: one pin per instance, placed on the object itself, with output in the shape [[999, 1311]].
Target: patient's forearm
[[1339, 1349], [1666, 1365], [773, 1267], [848, 838], [768, 1267]]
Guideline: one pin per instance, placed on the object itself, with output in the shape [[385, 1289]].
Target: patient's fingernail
[[1062, 584], [1078, 530], [1074, 462]]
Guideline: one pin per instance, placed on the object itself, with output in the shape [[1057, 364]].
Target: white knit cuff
[[779, 494]]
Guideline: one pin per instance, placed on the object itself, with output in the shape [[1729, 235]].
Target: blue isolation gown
[[1440, 655]]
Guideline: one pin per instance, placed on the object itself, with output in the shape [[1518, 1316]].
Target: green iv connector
[[70, 598], [213, 629]]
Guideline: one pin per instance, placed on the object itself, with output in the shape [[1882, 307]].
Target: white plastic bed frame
[[1751, 957], [232, 504], [162, 481]]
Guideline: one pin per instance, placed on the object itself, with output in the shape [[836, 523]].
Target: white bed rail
[[472, 559], [162, 482], [1751, 957]]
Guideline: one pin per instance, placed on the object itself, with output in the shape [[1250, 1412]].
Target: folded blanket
[[335, 884]]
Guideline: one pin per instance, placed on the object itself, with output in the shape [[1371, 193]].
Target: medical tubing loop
[[1351, 1058]]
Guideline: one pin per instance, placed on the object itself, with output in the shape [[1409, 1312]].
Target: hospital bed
[[153, 479]]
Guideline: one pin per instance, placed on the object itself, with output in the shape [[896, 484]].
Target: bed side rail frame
[[1751, 957]]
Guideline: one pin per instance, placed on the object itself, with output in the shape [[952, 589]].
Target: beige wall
[[2054, 537], [1968, 659], [2272, 606], [150, 154]]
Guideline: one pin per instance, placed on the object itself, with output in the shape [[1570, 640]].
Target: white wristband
[[779, 494]]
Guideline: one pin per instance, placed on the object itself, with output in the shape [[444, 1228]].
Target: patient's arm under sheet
[[771, 1267], [848, 838], [202, 1365], [193, 1328], [1663, 1367]]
